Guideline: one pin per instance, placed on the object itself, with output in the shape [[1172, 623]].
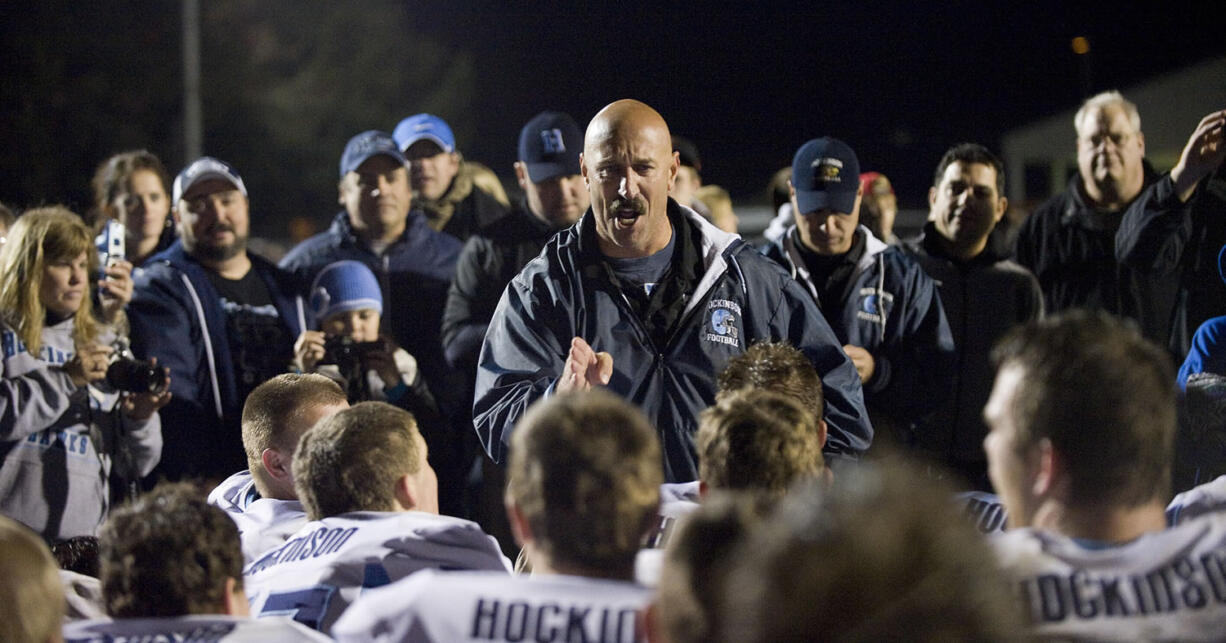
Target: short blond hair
[[758, 439], [352, 460], [585, 471], [272, 415], [31, 595]]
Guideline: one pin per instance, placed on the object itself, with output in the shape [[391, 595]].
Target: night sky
[[750, 82], [747, 82]]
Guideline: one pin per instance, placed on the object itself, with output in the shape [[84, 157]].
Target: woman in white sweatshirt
[[62, 427]]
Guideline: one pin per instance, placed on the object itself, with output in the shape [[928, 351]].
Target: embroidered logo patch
[[724, 315], [874, 305]]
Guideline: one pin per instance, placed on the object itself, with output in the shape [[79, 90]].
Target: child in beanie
[[348, 348]]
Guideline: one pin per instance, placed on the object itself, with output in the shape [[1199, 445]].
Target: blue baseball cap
[[549, 146], [424, 126], [825, 174], [204, 169], [365, 145]]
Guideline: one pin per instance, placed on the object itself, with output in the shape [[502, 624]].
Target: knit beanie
[[344, 286]]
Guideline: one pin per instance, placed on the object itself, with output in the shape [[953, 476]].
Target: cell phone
[[111, 246]]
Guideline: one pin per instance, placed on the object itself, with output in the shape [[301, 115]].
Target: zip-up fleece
[[894, 312], [176, 316], [60, 442], [741, 298], [983, 298]]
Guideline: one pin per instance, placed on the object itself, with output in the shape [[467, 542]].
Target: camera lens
[[135, 376]]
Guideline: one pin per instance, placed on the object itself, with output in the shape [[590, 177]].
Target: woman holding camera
[[133, 188], [62, 427]]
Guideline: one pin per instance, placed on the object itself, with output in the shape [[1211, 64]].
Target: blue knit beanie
[[344, 286]]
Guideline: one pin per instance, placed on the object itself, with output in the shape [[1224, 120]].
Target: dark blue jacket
[[414, 272], [176, 316], [1163, 237], [894, 312], [740, 299]]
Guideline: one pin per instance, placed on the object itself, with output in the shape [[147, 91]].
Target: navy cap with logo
[[825, 174], [549, 146], [204, 169], [368, 144]]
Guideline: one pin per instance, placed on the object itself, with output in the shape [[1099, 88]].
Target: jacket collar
[[714, 242], [342, 227]]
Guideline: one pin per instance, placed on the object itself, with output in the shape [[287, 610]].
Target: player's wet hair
[[167, 554], [697, 562], [351, 460], [585, 472], [757, 439], [1105, 398], [778, 367], [881, 555], [31, 596], [272, 416]]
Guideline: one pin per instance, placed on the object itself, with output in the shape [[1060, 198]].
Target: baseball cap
[[344, 286], [365, 145], [549, 146], [875, 182], [687, 152], [424, 126], [204, 169], [825, 174]]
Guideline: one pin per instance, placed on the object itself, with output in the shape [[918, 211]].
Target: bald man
[[647, 298]]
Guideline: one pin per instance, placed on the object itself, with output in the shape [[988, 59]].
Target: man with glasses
[[1069, 241]]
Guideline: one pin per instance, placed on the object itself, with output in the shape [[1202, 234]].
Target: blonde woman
[[62, 427]]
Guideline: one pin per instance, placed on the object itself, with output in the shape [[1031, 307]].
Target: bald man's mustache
[[622, 207]]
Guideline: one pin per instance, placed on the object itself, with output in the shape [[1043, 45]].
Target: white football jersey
[[677, 499], [327, 564], [481, 606], [83, 596], [983, 509], [1197, 501], [211, 628], [263, 523], [1166, 585]]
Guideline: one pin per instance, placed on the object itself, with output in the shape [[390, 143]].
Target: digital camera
[[126, 373], [111, 247], [346, 353]]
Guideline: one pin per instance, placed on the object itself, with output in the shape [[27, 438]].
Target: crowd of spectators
[[596, 412]]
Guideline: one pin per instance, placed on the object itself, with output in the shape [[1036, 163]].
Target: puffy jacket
[[176, 316], [894, 312], [741, 298]]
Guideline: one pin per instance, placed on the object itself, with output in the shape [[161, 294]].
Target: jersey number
[[309, 606]]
